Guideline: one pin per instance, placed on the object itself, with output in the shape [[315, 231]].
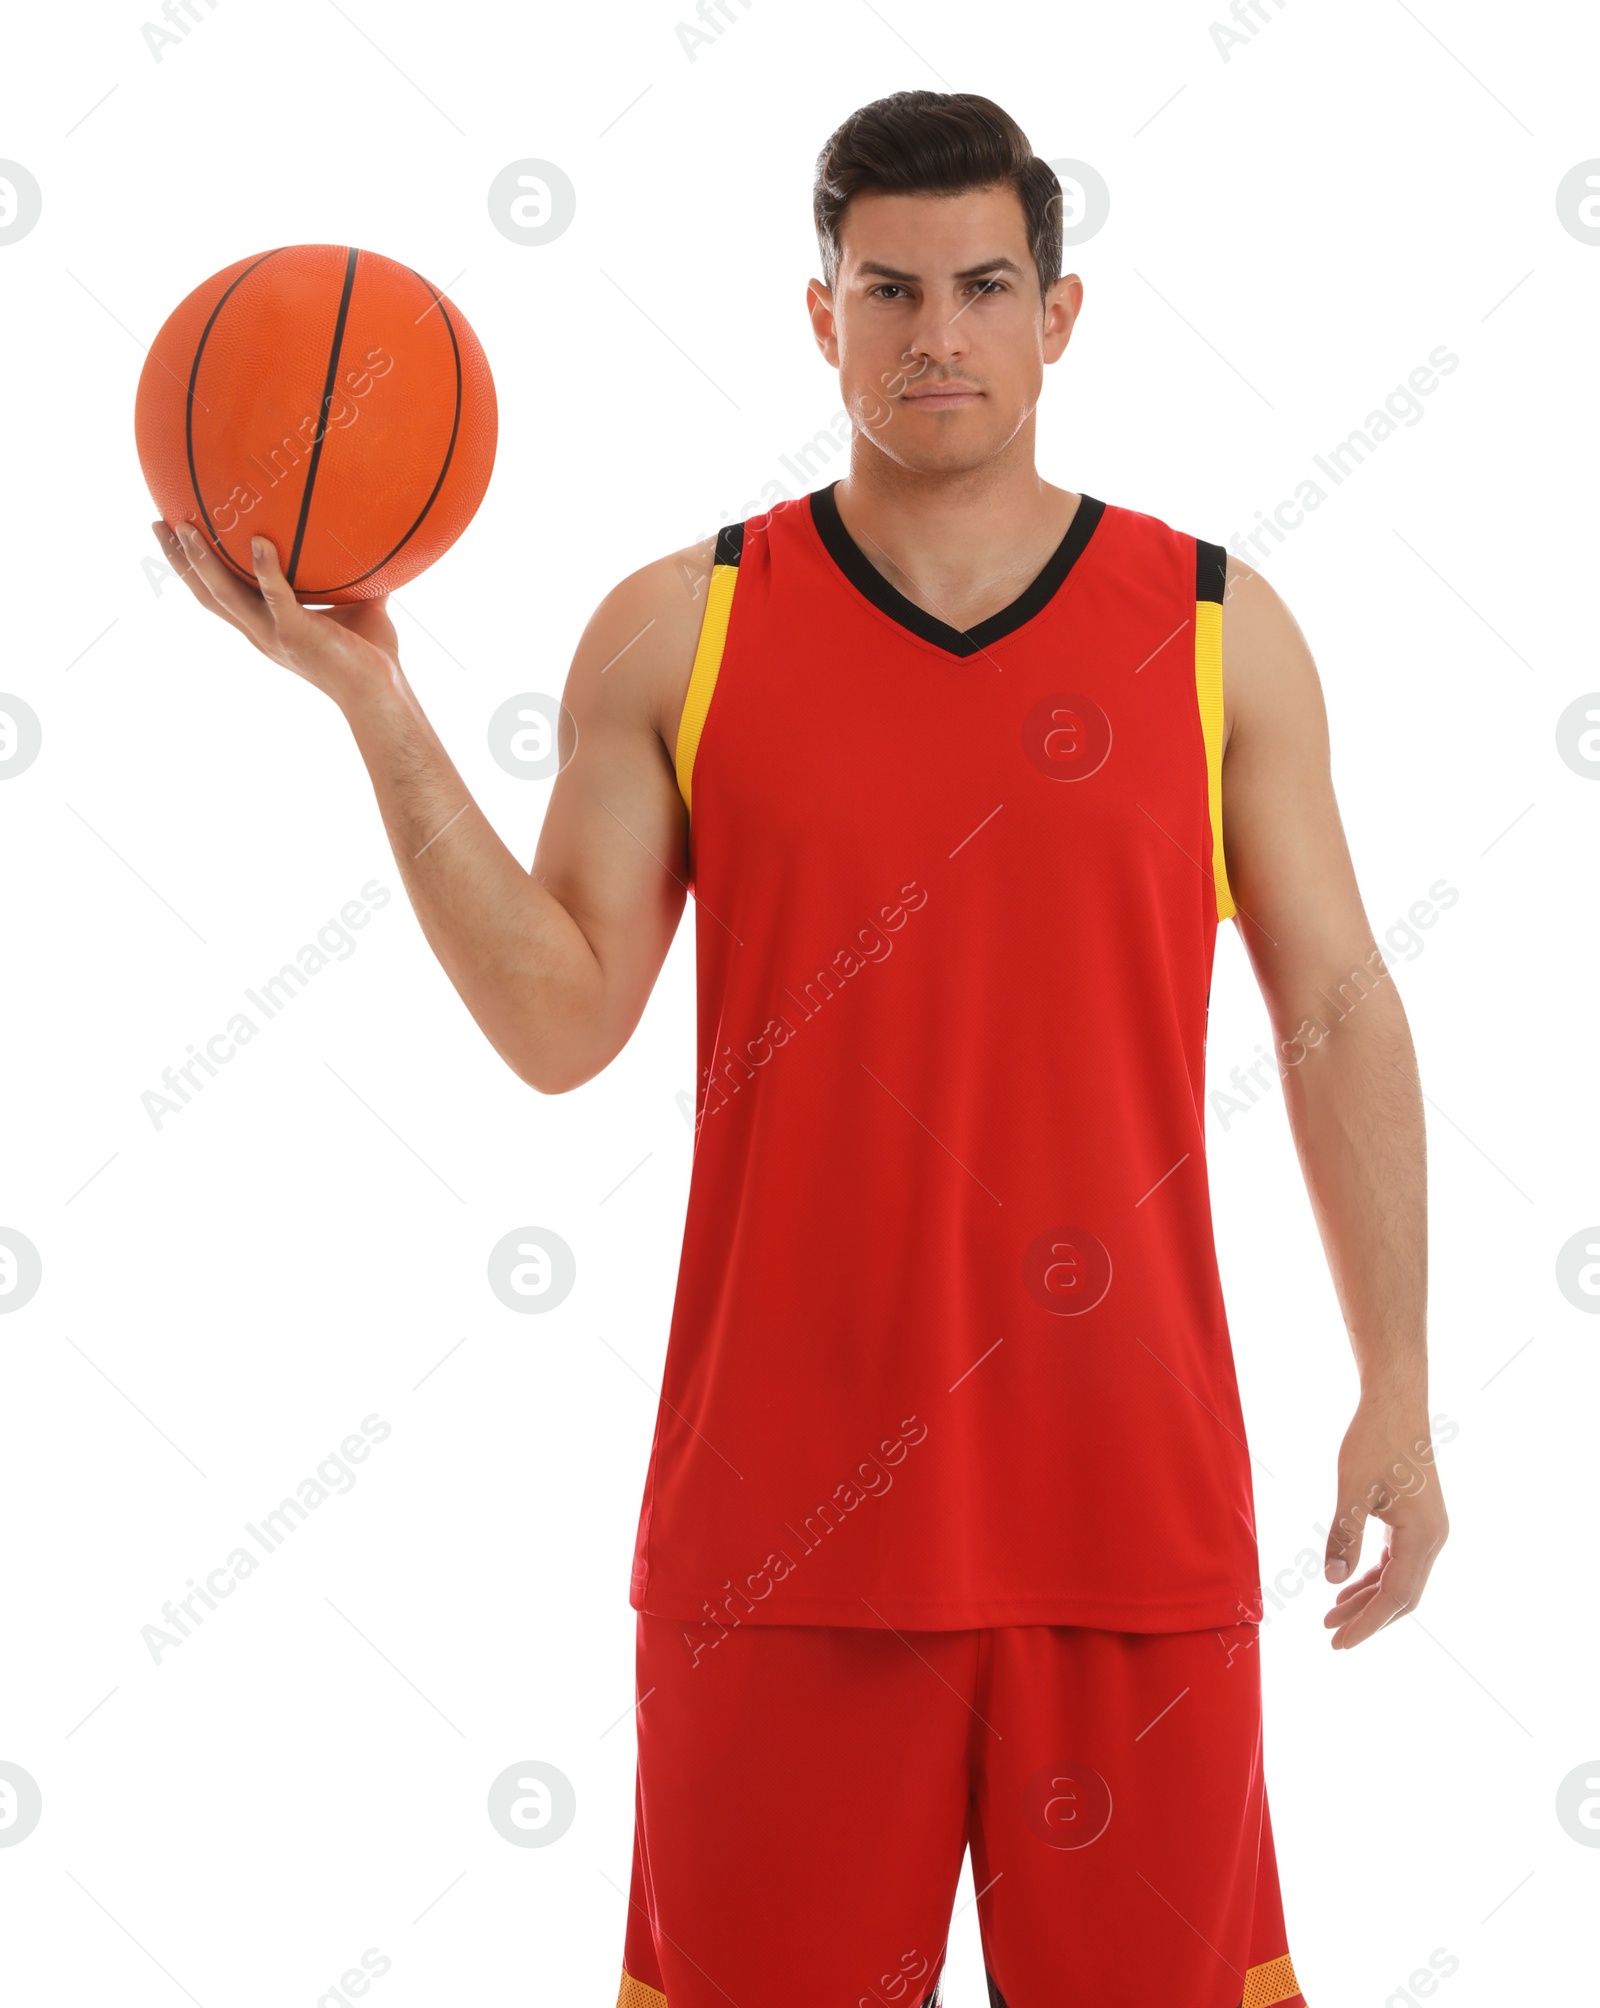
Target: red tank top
[[949, 1347]]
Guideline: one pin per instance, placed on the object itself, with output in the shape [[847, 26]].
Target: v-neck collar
[[869, 581]]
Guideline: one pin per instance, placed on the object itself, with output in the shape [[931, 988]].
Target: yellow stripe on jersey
[[1211, 572], [1269, 1983], [637, 1994], [707, 657]]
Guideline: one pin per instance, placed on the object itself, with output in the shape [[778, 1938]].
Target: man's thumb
[[1344, 1544], [275, 588]]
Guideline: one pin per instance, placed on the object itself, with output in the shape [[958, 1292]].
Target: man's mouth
[[941, 396]]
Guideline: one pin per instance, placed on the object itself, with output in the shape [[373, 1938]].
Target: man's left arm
[[1350, 1082]]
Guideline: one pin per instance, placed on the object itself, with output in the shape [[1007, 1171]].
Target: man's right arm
[[556, 964]]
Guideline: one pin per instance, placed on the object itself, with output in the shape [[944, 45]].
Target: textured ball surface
[[329, 399]]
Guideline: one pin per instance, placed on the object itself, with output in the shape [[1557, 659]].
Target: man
[[948, 1536]]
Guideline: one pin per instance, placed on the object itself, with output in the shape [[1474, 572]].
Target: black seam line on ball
[[327, 401], [315, 592], [188, 414]]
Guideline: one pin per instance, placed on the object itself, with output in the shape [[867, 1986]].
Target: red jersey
[[948, 1348]]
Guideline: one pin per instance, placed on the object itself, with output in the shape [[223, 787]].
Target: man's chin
[[958, 453]]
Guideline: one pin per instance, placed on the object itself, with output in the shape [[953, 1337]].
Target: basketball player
[[947, 1538]]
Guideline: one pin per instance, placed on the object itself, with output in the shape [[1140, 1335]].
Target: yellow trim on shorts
[[1208, 689], [703, 677], [1263, 1985], [635, 1994]]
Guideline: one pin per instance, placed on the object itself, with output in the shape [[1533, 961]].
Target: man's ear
[[1062, 305], [819, 305]]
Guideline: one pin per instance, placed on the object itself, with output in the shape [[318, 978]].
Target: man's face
[[936, 326]]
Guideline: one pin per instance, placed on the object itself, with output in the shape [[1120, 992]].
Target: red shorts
[[806, 1793]]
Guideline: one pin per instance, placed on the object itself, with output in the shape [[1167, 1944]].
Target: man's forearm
[[1355, 1107], [519, 961]]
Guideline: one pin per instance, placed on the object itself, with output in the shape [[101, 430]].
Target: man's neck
[[964, 544]]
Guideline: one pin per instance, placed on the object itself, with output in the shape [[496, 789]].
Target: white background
[[1292, 231]]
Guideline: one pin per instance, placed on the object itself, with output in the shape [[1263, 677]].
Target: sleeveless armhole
[[707, 655], [1211, 573]]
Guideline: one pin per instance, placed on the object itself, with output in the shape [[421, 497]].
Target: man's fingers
[[1364, 1604], [1380, 1609], [1353, 1599], [176, 556], [241, 603], [1361, 1585], [1406, 1562], [324, 650], [1351, 1607], [220, 589], [1410, 1557], [1390, 1598]]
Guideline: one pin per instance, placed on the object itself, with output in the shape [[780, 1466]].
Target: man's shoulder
[[670, 592], [636, 652], [1269, 677], [669, 589]]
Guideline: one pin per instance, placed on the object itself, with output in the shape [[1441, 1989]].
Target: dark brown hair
[[935, 142]]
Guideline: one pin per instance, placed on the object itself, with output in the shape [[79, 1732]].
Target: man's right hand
[[338, 649]]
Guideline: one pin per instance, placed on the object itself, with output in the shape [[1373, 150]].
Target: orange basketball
[[329, 399]]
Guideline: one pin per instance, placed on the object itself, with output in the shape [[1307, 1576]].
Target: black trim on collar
[[847, 554]]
